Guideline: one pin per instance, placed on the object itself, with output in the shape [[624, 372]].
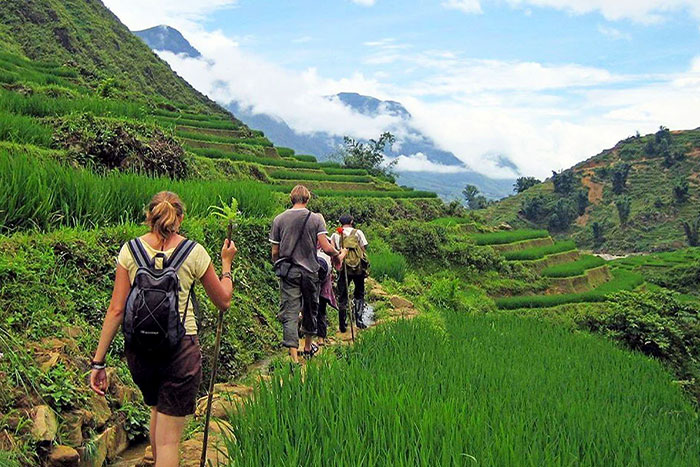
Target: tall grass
[[303, 157], [285, 152], [43, 106], [27, 130], [387, 264], [194, 117], [575, 268], [622, 280], [540, 251], [46, 194], [508, 236], [489, 390], [323, 177]]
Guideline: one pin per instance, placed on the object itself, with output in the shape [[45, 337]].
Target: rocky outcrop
[[44, 424], [63, 456]]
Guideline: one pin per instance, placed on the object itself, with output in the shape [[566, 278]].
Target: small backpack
[[152, 321], [355, 259]]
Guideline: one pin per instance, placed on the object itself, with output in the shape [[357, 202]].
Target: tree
[[681, 191], [369, 156], [582, 201], [691, 230], [619, 177], [623, 205], [474, 199], [562, 216], [563, 182], [598, 235], [533, 208], [523, 183]]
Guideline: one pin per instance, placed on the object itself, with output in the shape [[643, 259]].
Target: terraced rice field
[[561, 399]]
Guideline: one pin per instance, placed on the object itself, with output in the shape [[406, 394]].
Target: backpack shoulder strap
[[354, 233], [138, 252], [180, 254]]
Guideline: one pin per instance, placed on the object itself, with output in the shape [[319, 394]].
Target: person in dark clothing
[[355, 242], [294, 236]]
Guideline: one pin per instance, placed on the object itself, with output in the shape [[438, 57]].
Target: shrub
[[304, 158], [563, 182], [598, 233], [681, 190], [417, 241], [623, 205], [619, 177], [523, 183], [292, 175], [562, 216], [285, 152], [118, 144], [582, 201], [657, 324], [534, 208], [683, 278]]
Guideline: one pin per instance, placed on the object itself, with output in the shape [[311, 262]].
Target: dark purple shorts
[[170, 383]]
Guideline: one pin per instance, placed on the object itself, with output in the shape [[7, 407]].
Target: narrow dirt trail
[[595, 196]]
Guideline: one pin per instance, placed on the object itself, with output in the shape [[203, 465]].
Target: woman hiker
[[326, 295], [354, 270], [155, 275]]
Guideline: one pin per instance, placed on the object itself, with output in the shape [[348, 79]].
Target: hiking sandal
[[310, 354]]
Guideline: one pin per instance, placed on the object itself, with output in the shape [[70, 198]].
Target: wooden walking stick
[[215, 366], [347, 286]]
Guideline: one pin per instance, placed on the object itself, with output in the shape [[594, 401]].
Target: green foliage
[[370, 211], [136, 420], [473, 198], [598, 233], [563, 182], [575, 268], [657, 324], [60, 390], [214, 124], [508, 236], [619, 177], [48, 195], [563, 215], [622, 280], [339, 171], [540, 251], [692, 231], [107, 144], [368, 156], [533, 208], [219, 154], [623, 205], [321, 176], [364, 193], [304, 158], [523, 183], [681, 190], [410, 406], [417, 241], [386, 264], [582, 202], [684, 278]]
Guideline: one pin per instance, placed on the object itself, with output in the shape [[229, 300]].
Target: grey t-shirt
[[286, 229]]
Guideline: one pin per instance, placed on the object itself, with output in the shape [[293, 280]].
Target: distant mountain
[[166, 38], [322, 144]]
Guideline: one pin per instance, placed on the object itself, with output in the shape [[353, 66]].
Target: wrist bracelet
[[98, 365], [227, 274]]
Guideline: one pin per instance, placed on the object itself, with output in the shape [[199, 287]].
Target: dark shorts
[[169, 383]]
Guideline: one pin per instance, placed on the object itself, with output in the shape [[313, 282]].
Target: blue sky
[[546, 83]]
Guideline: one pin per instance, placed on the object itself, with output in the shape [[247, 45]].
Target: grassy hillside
[[656, 174], [87, 38]]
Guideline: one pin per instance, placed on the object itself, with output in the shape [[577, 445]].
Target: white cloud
[[419, 162], [180, 14], [643, 11], [364, 2], [466, 6], [613, 33]]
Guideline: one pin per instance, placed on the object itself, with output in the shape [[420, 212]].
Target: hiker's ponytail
[[164, 213]]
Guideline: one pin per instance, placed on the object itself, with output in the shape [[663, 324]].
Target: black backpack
[[152, 321]]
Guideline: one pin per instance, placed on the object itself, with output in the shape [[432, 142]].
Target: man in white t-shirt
[[354, 276]]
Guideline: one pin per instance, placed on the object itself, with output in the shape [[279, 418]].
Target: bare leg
[[307, 343], [168, 440], [152, 431], [293, 354]]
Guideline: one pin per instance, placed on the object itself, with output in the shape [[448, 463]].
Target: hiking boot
[[343, 320], [359, 308]]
